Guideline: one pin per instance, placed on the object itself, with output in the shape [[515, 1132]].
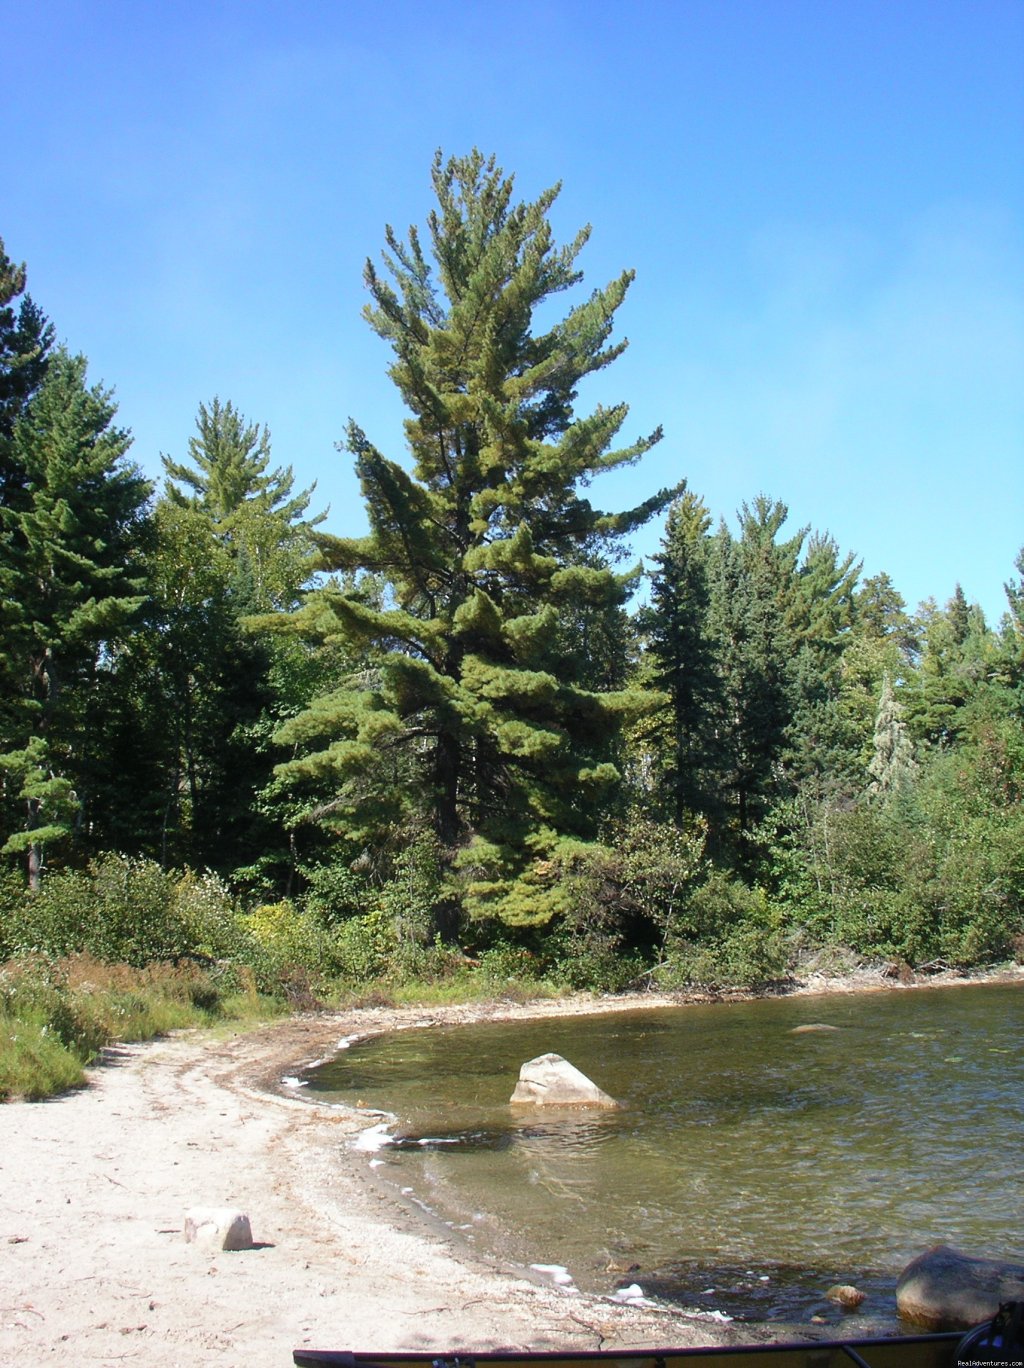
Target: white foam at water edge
[[372, 1139], [346, 1042], [289, 1081], [439, 1140], [555, 1272], [633, 1293]]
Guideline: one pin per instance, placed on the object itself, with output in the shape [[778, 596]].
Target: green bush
[[505, 964], [728, 936], [125, 911], [751, 957], [334, 893]]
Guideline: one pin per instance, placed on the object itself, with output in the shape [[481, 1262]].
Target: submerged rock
[[845, 1295], [812, 1026], [551, 1081], [471, 1140], [943, 1289]]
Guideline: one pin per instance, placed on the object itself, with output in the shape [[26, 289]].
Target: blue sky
[[823, 202]]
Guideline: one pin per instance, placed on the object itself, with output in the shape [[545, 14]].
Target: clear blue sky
[[823, 201]]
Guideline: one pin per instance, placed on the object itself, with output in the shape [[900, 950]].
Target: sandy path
[[94, 1188]]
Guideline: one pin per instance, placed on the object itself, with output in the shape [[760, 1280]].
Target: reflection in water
[[751, 1166]]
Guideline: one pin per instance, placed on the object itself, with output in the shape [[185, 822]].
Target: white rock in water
[[218, 1228], [551, 1081]]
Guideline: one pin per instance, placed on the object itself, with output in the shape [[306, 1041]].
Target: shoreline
[[94, 1188]]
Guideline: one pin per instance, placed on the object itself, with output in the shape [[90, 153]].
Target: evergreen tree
[[750, 593], [487, 545], [253, 511], [882, 641], [1015, 596], [680, 661], [880, 613], [70, 586], [25, 341], [958, 655], [191, 713], [822, 753], [1011, 653], [892, 765]]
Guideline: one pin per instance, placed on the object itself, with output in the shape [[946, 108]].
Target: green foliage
[[35, 1063], [26, 338], [57, 1015], [680, 662], [728, 936], [70, 587], [484, 709], [253, 513], [127, 911], [430, 744], [932, 872], [892, 766]]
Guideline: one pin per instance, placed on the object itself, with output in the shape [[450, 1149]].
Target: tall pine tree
[[71, 586], [489, 545], [255, 513], [680, 662], [26, 338]]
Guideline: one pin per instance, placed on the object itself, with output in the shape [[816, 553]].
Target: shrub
[[728, 936], [126, 911]]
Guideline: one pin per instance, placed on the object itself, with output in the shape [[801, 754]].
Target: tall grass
[[56, 1016]]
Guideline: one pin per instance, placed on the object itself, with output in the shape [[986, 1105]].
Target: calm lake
[[750, 1168]]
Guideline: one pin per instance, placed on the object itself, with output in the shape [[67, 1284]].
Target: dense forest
[[476, 735]]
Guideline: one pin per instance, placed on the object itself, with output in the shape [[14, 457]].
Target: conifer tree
[[892, 765], [957, 656], [680, 659], [487, 544], [1014, 590], [822, 752], [25, 341], [254, 512], [70, 586], [750, 582], [1012, 632], [190, 716]]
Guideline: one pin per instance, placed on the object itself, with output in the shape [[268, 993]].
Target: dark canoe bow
[[899, 1351]]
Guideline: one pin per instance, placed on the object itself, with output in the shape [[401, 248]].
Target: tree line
[[477, 719]]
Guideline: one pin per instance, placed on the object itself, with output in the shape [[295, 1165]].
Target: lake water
[[750, 1167]]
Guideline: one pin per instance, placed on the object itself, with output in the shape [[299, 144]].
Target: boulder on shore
[[943, 1289], [218, 1228], [551, 1081]]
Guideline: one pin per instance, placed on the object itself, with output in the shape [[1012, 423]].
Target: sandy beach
[[94, 1188]]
